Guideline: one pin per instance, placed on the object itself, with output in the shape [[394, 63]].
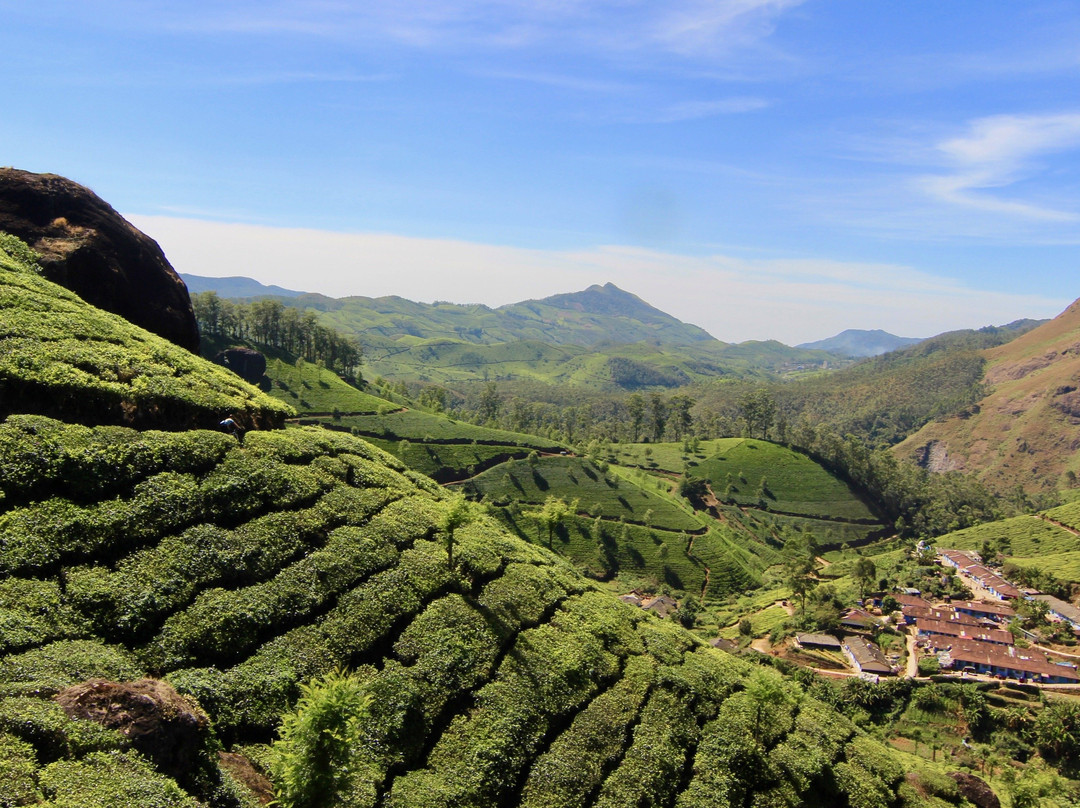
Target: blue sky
[[762, 168]]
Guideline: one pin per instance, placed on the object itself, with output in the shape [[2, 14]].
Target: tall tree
[[865, 572], [490, 403], [657, 416], [758, 410], [635, 409], [680, 419]]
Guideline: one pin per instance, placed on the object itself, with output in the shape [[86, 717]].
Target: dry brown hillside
[[1026, 431]]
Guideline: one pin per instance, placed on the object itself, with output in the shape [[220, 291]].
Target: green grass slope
[[432, 443], [238, 572], [60, 356], [799, 494], [794, 483]]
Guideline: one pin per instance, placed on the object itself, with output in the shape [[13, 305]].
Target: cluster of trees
[[270, 323], [577, 417], [919, 502]]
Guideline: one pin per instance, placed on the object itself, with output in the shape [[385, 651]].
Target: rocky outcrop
[[247, 363], [168, 728], [934, 456], [975, 790], [89, 248]]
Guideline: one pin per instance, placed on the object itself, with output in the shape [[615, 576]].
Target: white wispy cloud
[[690, 28], [998, 152], [708, 26], [734, 298]]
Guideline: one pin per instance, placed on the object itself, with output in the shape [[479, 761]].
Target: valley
[[568, 552]]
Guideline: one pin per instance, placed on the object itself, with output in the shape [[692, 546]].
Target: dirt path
[[1055, 522], [762, 645], [912, 662], [1055, 653]]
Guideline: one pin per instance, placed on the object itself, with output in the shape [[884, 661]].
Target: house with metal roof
[[866, 657], [1060, 609], [928, 628], [1013, 663], [825, 641], [998, 612]]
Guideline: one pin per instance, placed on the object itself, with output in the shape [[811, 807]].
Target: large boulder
[[975, 790], [168, 728], [92, 250]]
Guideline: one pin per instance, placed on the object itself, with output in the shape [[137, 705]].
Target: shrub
[[51, 668], [109, 779], [314, 760]]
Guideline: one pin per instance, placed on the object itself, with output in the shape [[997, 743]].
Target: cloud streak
[[999, 152], [733, 298], [698, 29]]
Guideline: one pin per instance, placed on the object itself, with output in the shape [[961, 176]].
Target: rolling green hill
[[236, 572], [798, 493]]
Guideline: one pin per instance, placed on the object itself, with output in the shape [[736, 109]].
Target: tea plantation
[[62, 357], [239, 572], [222, 576]]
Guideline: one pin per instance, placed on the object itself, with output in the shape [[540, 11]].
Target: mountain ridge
[[1025, 430]]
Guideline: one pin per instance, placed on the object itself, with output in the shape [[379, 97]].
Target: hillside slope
[[602, 338], [501, 678], [495, 676], [1026, 430], [62, 357]]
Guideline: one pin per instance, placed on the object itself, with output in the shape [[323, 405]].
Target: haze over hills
[[235, 286], [858, 343], [1026, 429]]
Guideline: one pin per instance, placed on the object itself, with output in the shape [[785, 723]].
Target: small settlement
[[971, 636]]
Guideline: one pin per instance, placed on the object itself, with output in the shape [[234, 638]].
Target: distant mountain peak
[[607, 299], [858, 343], [235, 286]]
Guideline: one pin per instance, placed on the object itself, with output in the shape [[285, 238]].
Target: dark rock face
[[89, 248], [247, 363], [975, 790]]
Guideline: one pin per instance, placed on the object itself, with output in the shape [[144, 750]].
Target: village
[[977, 638]]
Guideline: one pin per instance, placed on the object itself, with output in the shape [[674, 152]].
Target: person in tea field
[[233, 428]]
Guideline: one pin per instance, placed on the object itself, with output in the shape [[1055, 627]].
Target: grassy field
[[448, 462], [310, 388]]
